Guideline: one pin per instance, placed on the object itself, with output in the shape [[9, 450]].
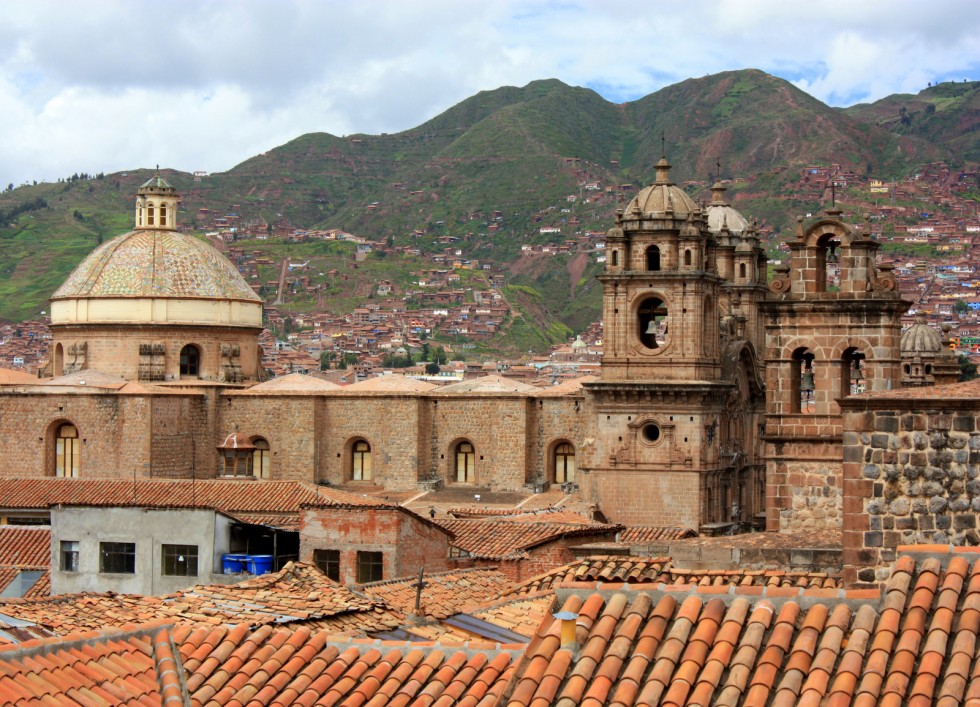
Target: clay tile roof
[[292, 383], [642, 534], [569, 387], [510, 539], [10, 376], [25, 545], [250, 496], [390, 384], [298, 594], [229, 665], [135, 666], [915, 646], [489, 384], [444, 593], [598, 568]]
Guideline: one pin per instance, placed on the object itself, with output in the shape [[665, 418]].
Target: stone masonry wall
[[912, 476], [286, 422], [113, 429], [804, 487]]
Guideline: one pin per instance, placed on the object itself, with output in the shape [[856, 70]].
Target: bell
[[652, 327], [807, 382]]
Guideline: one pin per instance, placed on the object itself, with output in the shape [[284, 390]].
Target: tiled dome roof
[[156, 263], [921, 338], [661, 196]]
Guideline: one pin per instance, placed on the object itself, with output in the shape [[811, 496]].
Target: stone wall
[[113, 432], [911, 475], [390, 424], [804, 486], [641, 498], [287, 422]]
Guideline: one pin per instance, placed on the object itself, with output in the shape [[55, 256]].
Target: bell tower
[[833, 329], [663, 450]]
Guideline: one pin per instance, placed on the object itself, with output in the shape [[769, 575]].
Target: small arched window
[[59, 360], [465, 463], [615, 258], [261, 458], [803, 388], [361, 461], [653, 258], [741, 270], [149, 214], [687, 257], [564, 463], [163, 214], [66, 451], [190, 361]]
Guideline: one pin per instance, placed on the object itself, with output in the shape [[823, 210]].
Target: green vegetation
[[490, 172]]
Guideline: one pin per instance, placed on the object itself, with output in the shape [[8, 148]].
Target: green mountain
[[947, 115], [490, 172]]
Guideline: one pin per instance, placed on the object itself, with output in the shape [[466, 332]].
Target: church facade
[[716, 401]]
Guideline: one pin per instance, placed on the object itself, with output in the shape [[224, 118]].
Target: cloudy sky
[[108, 85]]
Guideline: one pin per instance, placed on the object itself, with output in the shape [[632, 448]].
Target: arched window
[[190, 361], [827, 264], [360, 461], [741, 270], [653, 258], [465, 463], [261, 458], [564, 463], [66, 451], [615, 258], [802, 381], [652, 322], [149, 214], [687, 257], [852, 373], [163, 214], [59, 360]]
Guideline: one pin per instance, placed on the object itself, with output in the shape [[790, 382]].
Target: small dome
[[722, 215], [158, 263], [578, 344], [920, 338], [661, 197]]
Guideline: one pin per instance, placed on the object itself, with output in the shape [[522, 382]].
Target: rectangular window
[[69, 556], [179, 560], [370, 567], [117, 558], [329, 563]]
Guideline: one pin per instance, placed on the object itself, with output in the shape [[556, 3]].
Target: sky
[[110, 85]]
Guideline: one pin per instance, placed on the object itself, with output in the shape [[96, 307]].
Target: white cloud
[[102, 85]]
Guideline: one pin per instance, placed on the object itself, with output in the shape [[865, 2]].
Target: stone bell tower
[[833, 328], [662, 450]]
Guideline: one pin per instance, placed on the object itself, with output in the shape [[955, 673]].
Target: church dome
[[661, 197], [720, 214], [145, 263], [920, 338], [156, 275]]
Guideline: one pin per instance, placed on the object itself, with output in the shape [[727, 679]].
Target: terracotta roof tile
[[506, 539], [444, 594]]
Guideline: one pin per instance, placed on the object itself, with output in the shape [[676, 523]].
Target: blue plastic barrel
[[259, 564], [234, 564]]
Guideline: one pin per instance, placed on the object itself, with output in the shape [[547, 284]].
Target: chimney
[[568, 622]]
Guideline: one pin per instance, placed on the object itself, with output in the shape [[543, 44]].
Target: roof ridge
[[40, 646]]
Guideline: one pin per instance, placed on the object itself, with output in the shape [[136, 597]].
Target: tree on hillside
[[968, 369]]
